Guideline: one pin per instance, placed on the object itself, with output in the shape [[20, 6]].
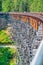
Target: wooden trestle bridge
[[35, 19]]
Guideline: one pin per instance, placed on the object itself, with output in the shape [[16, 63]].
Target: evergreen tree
[[37, 6], [0, 5], [6, 5], [21, 5]]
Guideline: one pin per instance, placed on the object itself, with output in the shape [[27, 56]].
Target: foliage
[[37, 6], [8, 56], [21, 5], [4, 38], [0, 5], [5, 5], [15, 5]]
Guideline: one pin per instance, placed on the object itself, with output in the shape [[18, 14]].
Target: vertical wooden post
[[42, 29], [34, 23], [36, 26]]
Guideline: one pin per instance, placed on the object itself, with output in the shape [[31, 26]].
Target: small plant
[[5, 39]]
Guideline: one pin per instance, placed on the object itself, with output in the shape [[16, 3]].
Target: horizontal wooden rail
[[29, 14]]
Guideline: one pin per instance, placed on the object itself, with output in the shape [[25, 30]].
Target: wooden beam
[[34, 23], [24, 18], [42, 29]]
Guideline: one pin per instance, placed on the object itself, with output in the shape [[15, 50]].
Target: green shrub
[[8, 56]]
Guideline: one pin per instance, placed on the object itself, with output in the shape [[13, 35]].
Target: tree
[[24, 6], [0, 5], [6, 5], [37, 6], [10, 5], [21, 5], [15, 5]]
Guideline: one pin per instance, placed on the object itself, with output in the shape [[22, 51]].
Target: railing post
[[42, 28]]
